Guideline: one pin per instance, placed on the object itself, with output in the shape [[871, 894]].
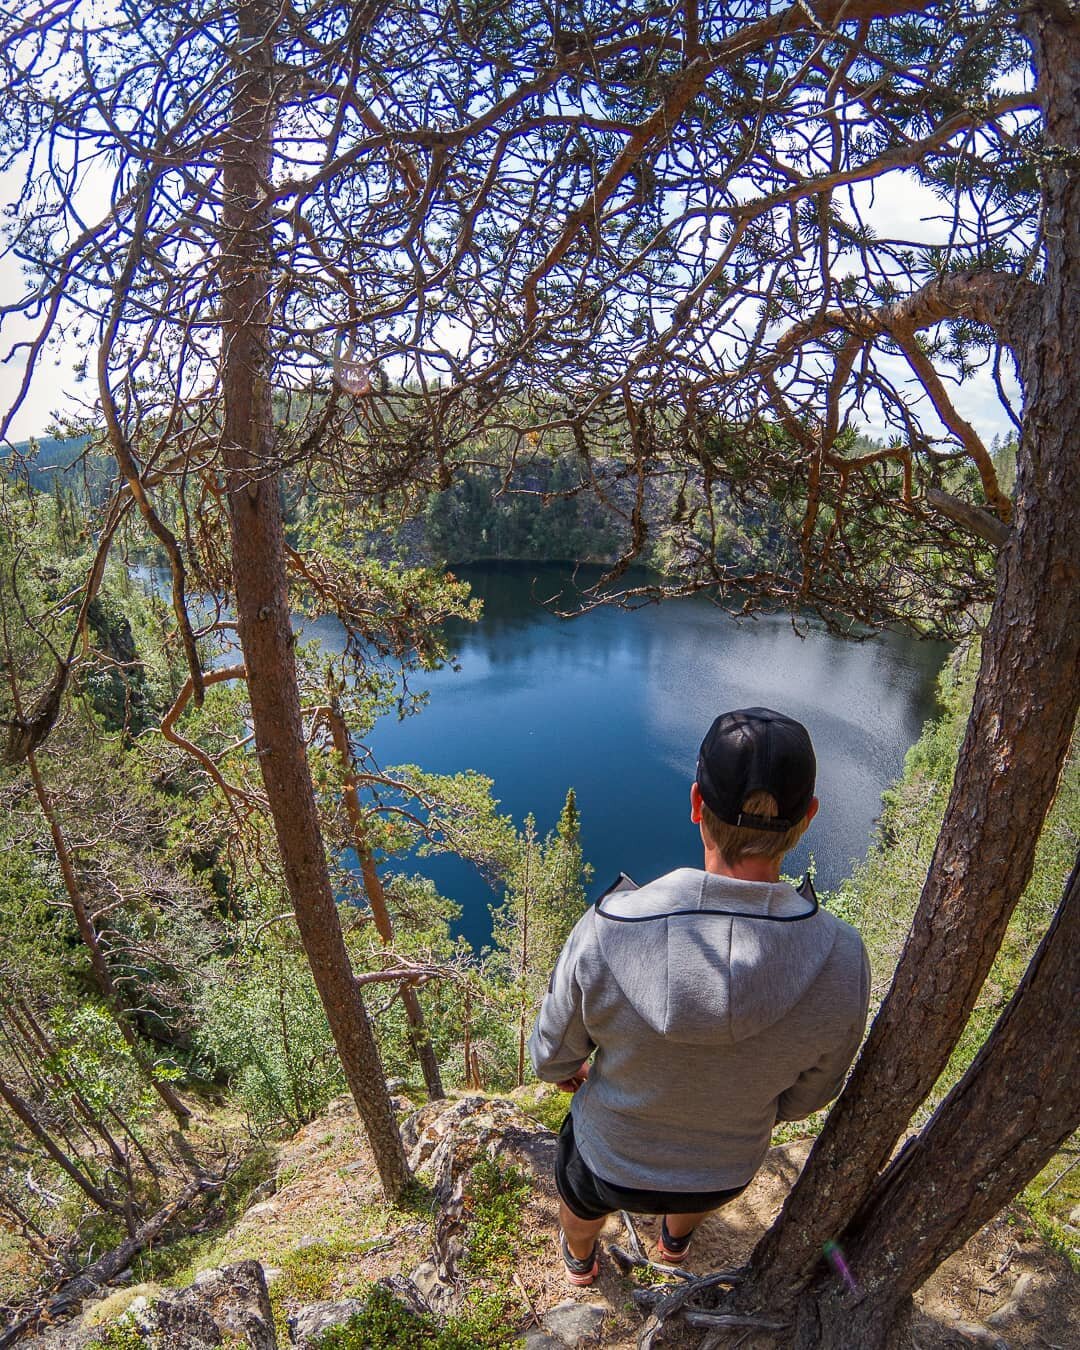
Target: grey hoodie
[[716, 1007]]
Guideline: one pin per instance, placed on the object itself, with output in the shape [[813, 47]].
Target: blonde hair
[[736, 842]]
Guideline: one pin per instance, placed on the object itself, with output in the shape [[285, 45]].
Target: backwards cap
[[757, 750]]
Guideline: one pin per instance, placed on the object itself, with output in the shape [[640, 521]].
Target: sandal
[[578, 1271], [674, 1250]]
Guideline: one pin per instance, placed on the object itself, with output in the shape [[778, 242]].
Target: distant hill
[[43, 459]]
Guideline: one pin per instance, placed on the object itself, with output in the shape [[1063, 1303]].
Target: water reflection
[[615, 704]]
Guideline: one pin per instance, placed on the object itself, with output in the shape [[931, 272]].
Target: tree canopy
[[672, 238], [690, 251]]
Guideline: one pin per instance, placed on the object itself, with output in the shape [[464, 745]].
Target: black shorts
[[591, 1197]]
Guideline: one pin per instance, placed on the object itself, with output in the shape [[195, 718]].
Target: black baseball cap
[[757, 750]]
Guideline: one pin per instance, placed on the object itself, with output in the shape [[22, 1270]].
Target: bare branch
[[979, 522], [230, 791]]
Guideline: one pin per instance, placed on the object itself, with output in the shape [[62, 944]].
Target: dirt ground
[[1005, 1289]]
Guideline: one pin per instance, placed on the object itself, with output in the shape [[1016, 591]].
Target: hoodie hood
[[688, 949]]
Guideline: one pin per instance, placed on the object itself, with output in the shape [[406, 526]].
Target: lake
[[614, 703]]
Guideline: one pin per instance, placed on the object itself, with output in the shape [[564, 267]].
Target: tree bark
[[1017, 737], [260, 579], [380, 911], [994, 1132]]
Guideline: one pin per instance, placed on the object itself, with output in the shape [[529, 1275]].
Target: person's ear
[[811, 810], [695, 804]]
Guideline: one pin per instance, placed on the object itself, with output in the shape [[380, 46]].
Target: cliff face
[[318, 1262]]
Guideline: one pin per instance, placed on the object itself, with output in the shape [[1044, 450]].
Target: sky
[[55, 390], [894, 206]]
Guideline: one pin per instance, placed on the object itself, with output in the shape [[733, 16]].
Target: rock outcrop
[[1001, 1291], [448, 1139], [230, 1306], [226, 1306]]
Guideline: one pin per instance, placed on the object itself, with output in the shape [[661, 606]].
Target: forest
[[350, 294]]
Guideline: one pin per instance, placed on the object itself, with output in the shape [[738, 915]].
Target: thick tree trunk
[[1017, 737], [996, 1130], [260, 579], [380, 911]]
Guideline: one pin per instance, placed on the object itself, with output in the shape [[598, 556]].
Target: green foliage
[[308, 1272], [46, 464], [494, 1206], [542, 518], [462, 818], [45, 554], [386, 1324], [542, 887], [421, 919], [546, 1104], [881, 896], [544, 898], [90, 1051], [1003, 451], [177, 1261], [397, 619], [31, 953], [263, 1025], [122, 1335], [1053, 1198], [120, 691], [498, 1195]]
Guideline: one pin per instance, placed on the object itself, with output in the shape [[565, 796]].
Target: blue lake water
[[615, 703]]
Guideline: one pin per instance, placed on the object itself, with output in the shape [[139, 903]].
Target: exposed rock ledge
[[230, 1306], [1002, 1290]]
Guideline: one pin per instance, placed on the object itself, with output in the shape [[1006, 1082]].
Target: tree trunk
[[102, 974], [380, 912], [522, 971], [1017, 737], [23, 1112], [994, 1132], [260, 580]]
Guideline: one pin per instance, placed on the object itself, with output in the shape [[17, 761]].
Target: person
[[690, 1015]]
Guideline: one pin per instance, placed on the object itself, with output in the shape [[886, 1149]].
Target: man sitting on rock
[[712, 1004]]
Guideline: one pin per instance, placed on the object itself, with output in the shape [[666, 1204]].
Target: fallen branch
[[1060, 1177], [635, 1257], [673, 1303], [528, 1301], [637, 1249], [628, 1261], [710, 1320], [91, 1279]]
